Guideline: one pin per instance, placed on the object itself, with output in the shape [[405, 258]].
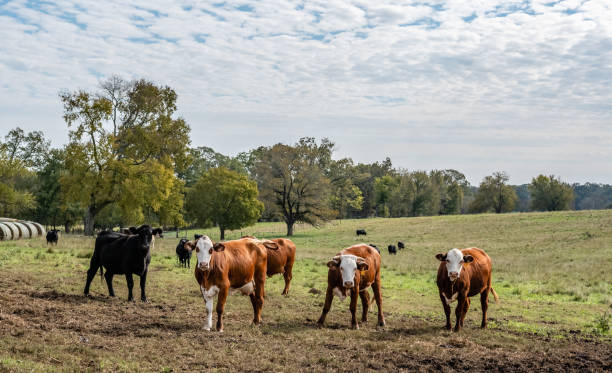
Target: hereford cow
[[351, 272], [126, 254], [232, 266], [281, 261], [463, 274]]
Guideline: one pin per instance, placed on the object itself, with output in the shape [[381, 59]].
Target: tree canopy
[[549, 193], [494, 195], [224, 198]]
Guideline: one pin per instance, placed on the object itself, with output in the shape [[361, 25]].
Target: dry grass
[[550, 270]]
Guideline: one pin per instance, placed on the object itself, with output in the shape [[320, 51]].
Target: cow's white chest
[[338, 292], [210, 292], [451, 299], [247, 289]]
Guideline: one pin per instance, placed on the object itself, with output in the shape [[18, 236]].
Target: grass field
[[552, 272]]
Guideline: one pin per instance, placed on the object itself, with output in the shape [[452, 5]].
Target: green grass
[[551, 271]]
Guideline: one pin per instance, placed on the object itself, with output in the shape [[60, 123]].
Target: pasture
[[551, 271]]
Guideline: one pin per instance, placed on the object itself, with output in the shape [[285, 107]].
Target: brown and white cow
[[461, 275], [231, 266], [351, 272], [281, 260]]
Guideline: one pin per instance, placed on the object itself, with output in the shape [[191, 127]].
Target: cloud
[[524, 85]]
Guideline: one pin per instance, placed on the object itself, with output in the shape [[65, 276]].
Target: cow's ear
[[362, 265], [219, 247], [271, 245], [332, 263], [441, 257], [468, 258]]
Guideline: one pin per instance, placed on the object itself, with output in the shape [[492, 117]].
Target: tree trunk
[[67, 227], [289, 228], [222, 233], [89, 220]]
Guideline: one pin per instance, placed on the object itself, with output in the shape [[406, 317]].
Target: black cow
[[197, 236], [52, 236], [134, 230], [374, 246], [183, 252], [361, 232], [392, 249], [400, 245], [125, 254]]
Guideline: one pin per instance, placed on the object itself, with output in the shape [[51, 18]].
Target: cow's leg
[[459, 311], [365, 304], [130, 285], [143, 283], [466, 307], [447, 311], [484, 304], [220, 307], [260, 281], [329, 296], [208, 301], [91, 273], [353, 306], [109, 283], [287, 275], [378, 298]]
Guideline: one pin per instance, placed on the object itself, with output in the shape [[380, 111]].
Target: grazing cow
[[400, 245], [463, 274], [126, 254], [392, 249], [374, 246], [231, 266], [183, 252], [352, 271], [361, 232], [52, 236]]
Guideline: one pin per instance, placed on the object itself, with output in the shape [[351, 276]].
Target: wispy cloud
[[518, 85]]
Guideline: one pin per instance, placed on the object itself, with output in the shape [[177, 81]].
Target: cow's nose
[[348, 284], [453, 274]]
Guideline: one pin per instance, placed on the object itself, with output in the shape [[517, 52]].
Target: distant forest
[[129, 161]]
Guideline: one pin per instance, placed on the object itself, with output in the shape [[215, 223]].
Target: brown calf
[[463, 274], [232, 266], [353, 270]]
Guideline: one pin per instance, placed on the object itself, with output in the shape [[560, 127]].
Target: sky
[[480, 86]]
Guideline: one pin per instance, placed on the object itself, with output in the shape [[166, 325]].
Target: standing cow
[[463, 274], [352, 272], [231, 266], [52, 236], [128, 254], [281, 261]]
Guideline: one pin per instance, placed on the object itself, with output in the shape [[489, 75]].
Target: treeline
[[129, 161]]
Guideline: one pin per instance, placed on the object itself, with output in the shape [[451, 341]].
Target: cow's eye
[[210, 251]]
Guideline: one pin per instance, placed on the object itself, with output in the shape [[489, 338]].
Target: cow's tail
[[494, 295]]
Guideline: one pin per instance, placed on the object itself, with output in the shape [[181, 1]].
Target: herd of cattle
[[242, 265]]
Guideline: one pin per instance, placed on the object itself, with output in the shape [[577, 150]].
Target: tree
[[450, 186], [134, 165], [203, 159], [549, 193], [383, 189], [224, 198], [292, 180], [345, 195], [494, 194]]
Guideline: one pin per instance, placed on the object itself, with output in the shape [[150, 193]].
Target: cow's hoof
[[207, 328], [144, 300], [381, 323], [447, 327], [355, 327]]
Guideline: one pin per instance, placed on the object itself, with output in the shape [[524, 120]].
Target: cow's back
[[278, 259], [479, 270], [243, 258]]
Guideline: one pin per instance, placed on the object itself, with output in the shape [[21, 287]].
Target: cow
[[125, 254], [374, 246], [231, 266], [400, 245], [52, 236], [134, 230], [197, 236], [361, 232], [281, 261], [463, 274], [183, 252], [352, 271], [392, 249]]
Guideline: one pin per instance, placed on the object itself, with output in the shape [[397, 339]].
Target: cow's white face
[[348, 265], [454, 262], [204, 250]]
